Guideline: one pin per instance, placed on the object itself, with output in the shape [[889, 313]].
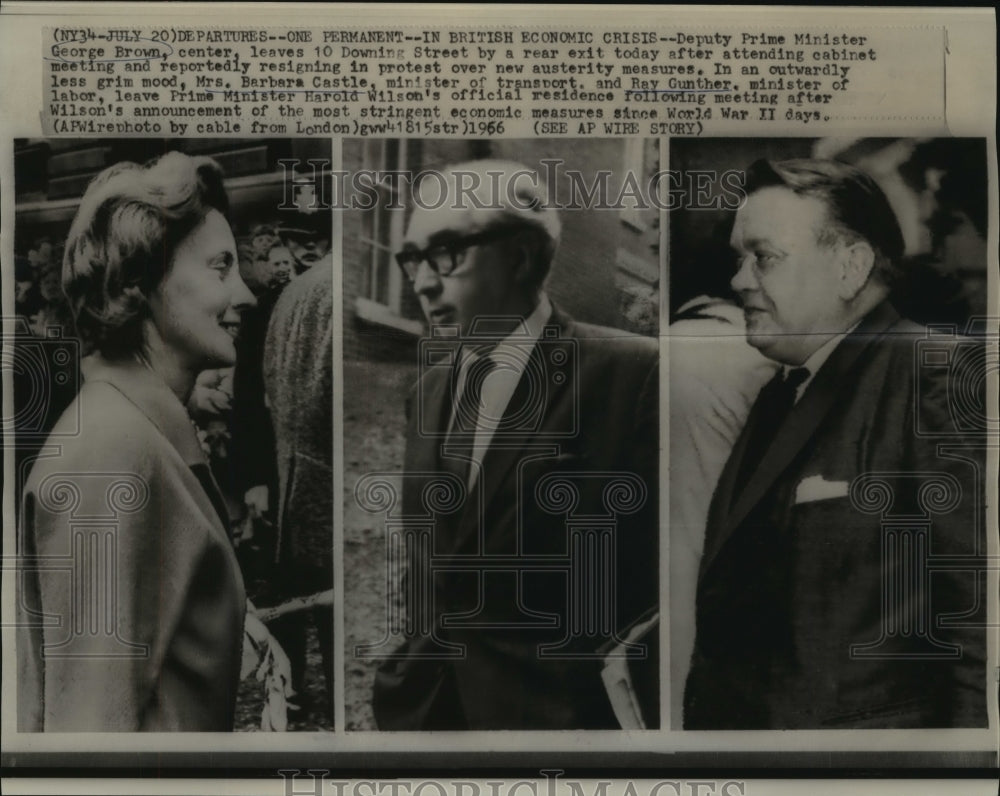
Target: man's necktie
[[467, 398], [769, 411]]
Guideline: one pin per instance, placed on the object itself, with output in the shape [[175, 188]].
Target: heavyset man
[[838, 583]]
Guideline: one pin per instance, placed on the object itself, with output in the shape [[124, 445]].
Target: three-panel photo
[[423, 441]]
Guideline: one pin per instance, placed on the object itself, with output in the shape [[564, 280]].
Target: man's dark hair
[[856, 206]]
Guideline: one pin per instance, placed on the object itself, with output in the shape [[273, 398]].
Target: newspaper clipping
[[428, 396]]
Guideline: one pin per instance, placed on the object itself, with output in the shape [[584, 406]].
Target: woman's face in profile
[[196, 307]]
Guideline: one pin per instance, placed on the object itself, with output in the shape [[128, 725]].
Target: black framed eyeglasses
[[447, 255]]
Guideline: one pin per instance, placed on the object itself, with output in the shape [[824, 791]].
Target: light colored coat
[[132, 601]]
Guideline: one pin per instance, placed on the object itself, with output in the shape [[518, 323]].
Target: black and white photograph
[[501, 435], [828, 434], [498, 399], [173, 424]]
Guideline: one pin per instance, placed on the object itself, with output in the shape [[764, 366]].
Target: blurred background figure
[[298, 384], [307, 239], [266, 263], [715, 376], [24, 286], [252, 474], [948, 269]]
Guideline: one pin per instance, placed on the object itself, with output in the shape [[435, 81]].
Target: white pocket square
[[816, 487]]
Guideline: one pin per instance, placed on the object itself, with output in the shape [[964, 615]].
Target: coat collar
[[430, 412], [819, 398], [511, 450], [151, 395], [431, 406]]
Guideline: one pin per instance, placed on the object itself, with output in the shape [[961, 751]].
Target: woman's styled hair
[[122, 240]]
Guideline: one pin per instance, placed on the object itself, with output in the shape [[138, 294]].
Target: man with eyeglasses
[[545, 431]]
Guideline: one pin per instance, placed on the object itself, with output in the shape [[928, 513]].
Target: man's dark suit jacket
[[817, 606], [503, 680]]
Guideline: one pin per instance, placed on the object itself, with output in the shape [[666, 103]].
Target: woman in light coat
[[131, 602]]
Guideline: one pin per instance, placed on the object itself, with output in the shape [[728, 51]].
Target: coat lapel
[[829, 384], [151, 396], [429, 410], [507, 448], [428, 421]]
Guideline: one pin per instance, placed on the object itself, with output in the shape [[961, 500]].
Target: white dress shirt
[[815, 362]]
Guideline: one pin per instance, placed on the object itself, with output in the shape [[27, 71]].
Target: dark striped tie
[[769, 411], [466, 405]]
